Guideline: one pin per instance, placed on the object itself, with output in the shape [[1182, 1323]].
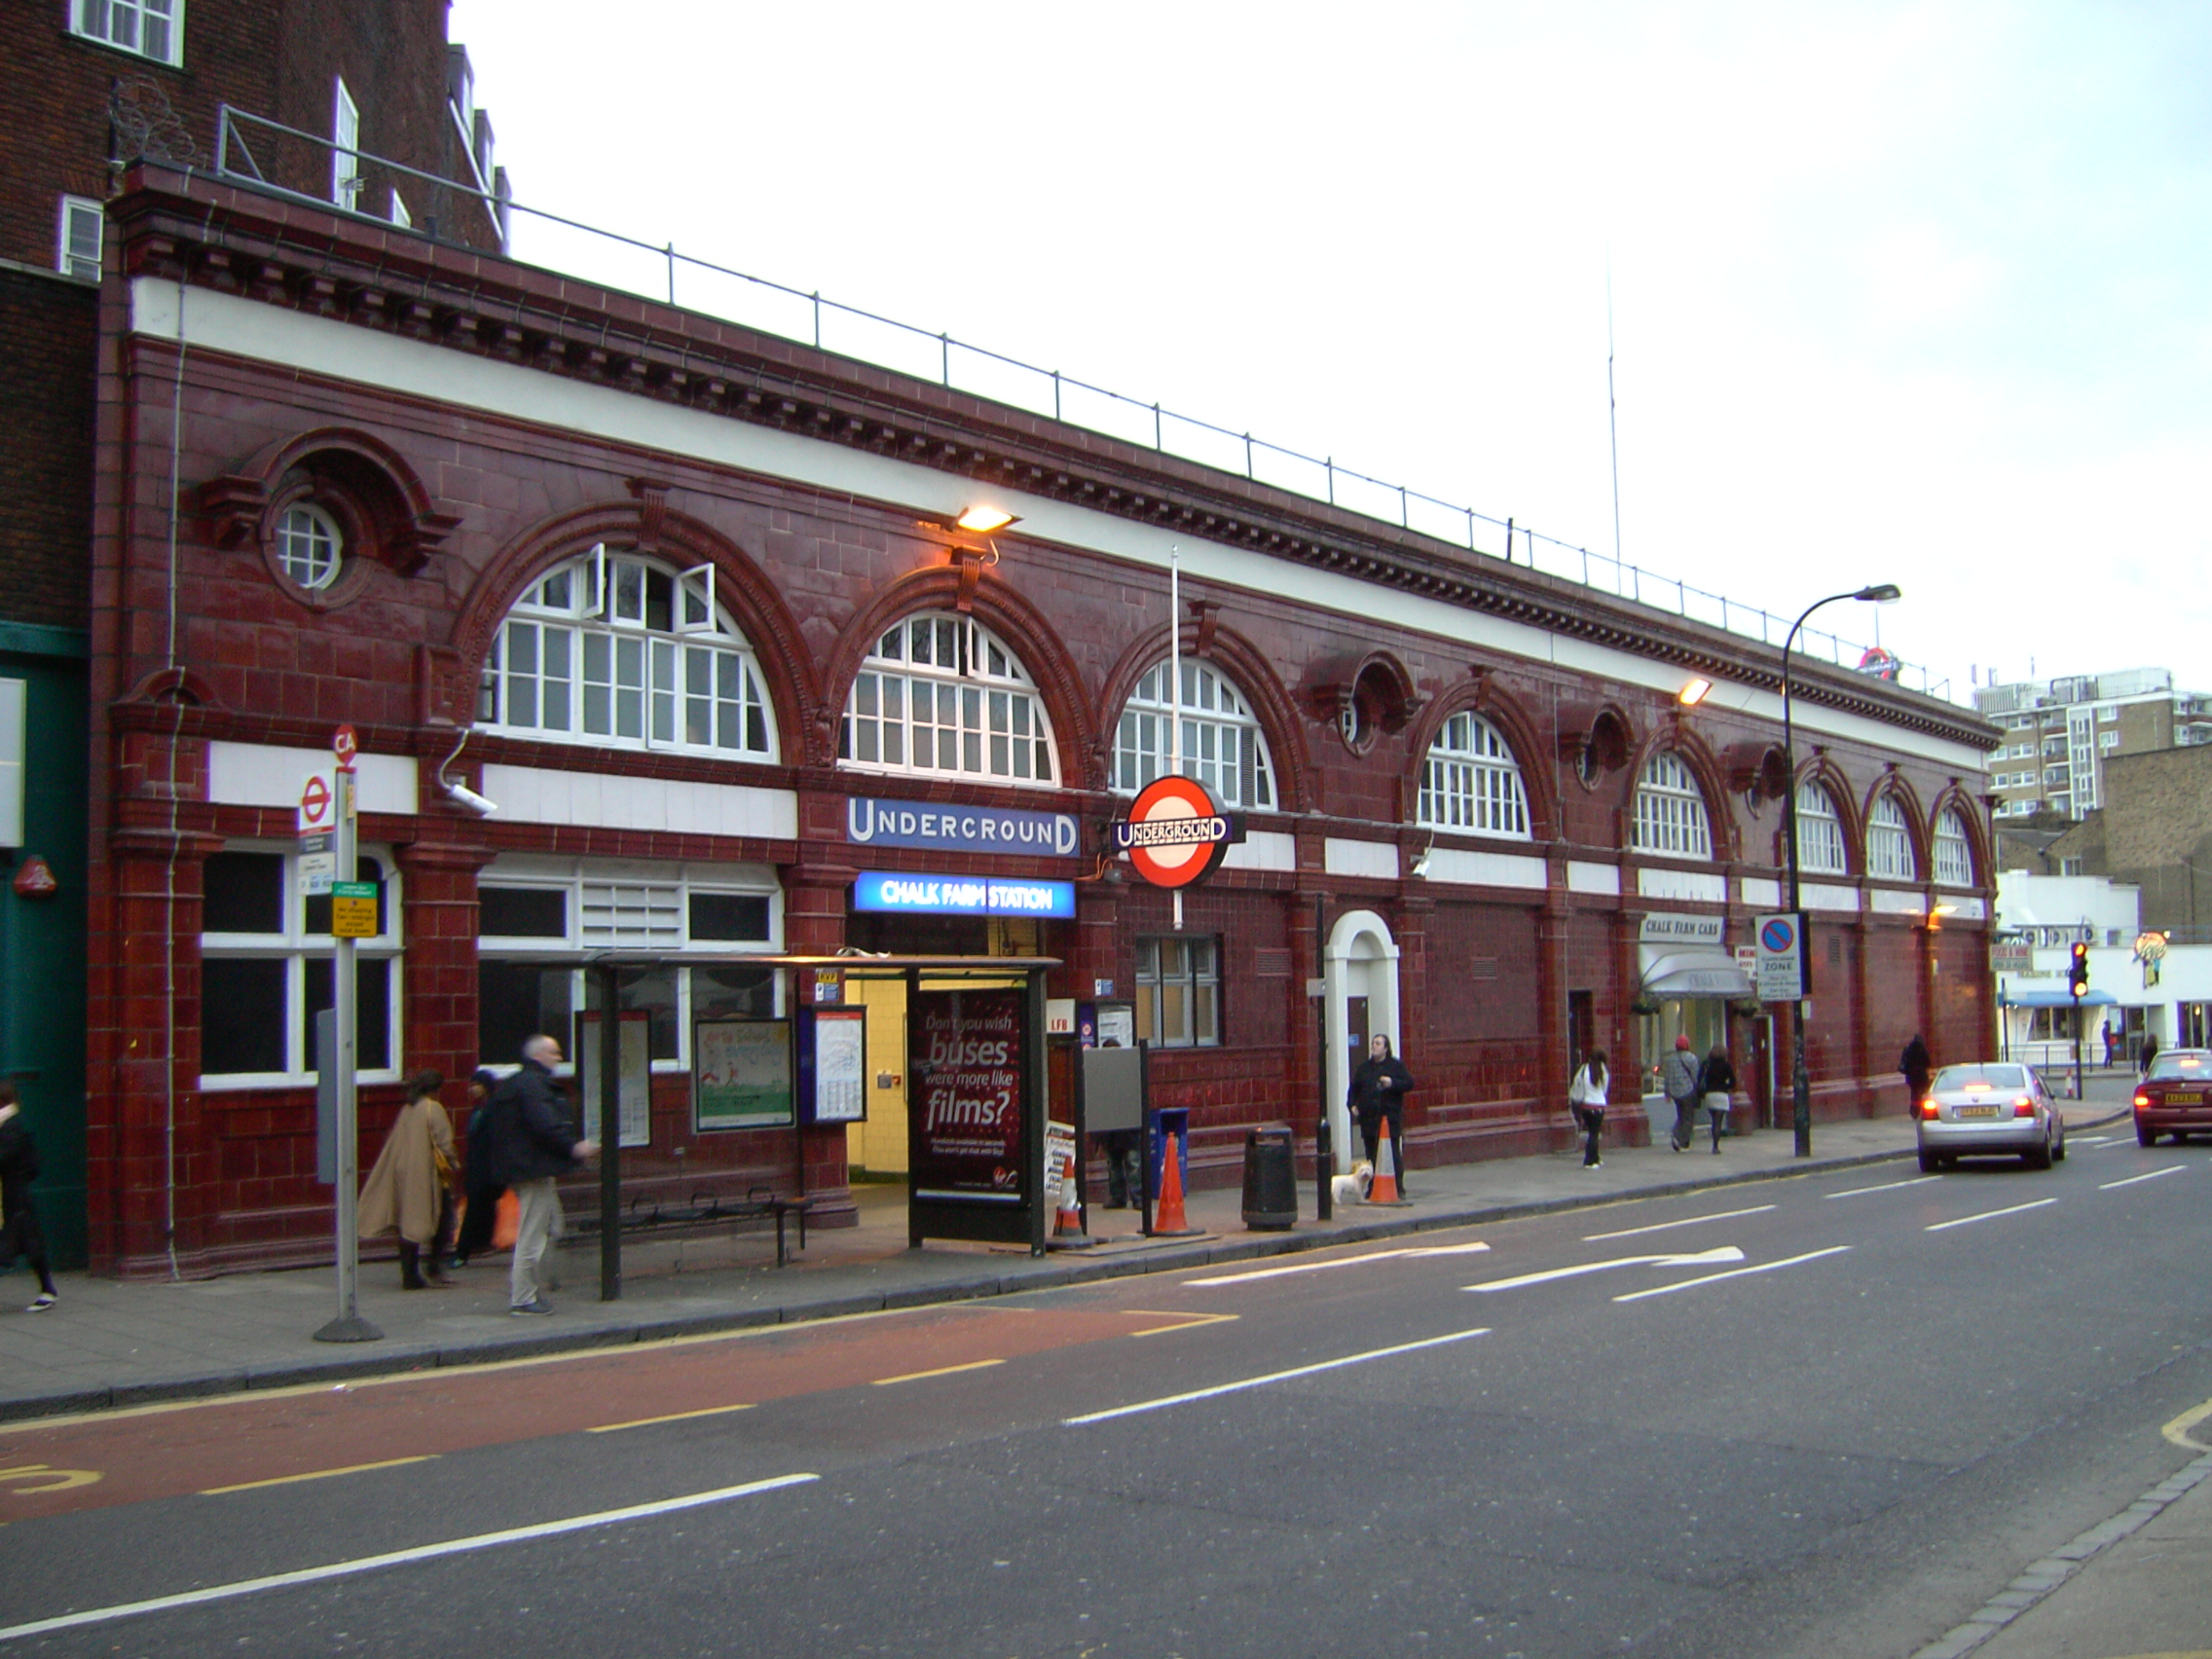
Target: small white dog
[[1351, 1188]]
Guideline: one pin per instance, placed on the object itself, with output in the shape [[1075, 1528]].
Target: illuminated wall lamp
[[981, 519], [1694, 693]]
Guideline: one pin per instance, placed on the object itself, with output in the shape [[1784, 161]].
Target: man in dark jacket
[[1378, 1094], [532, 1141], [1918, 1068], [20, 1233]]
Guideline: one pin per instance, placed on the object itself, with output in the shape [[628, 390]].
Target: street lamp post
[[1801, 1088]]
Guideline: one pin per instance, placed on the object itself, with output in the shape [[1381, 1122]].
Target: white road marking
[[1263, 1381], [2095, 1140], [398, 1558], [2169, 1169], [1340, 1262], [1662, 1226], [1887, 1186], [1737, 1272], [1702, 1259], [1988, 1215]]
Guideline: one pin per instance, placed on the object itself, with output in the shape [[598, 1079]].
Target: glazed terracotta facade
[[470, 424]]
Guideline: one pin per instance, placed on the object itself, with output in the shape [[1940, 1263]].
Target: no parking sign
[[1780, 943]]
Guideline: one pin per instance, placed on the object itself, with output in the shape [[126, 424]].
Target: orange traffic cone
[[1068, 1225], [1168, 1218], [1385, 1189]]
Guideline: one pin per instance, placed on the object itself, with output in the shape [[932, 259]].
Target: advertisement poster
[[741, 1074], [967, 1140], [635, 1058]]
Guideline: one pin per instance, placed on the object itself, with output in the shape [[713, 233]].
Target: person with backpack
[[1678, 1080], [1586, 1100]]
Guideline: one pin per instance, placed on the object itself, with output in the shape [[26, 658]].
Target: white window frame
[[1954, 852], [294, 945], [287, 534], [102, 20], [399, 213], [1221, 744], [1819, 832], [1889, 841], [345, 179], [637, 890], [984, 701], [1670, 818], [1471, 782], [667, 680], [77, 211]]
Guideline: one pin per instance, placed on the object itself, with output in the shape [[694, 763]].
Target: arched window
[[309, 545], [614, 648], [1954, 857], [940, 694], [1669, 811], [1471, 782], [1222, 747], [1889, 841], [1819, 832]]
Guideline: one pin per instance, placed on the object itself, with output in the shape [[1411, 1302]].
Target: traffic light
[[2078, 975]]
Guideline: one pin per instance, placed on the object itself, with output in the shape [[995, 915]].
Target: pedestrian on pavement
[[2149, 1052], [532, 1141], [20, 1232], [1586, 1100], [480, 1194], [1918, 1068], [1720, 1085], [1678, 1078], [1378, 1094], [2112, 1040], [409, 1185]]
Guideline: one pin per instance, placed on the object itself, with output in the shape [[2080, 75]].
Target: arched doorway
[[1359, 969]]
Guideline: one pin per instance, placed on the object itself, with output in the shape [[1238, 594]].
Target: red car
[[2175, 1098]]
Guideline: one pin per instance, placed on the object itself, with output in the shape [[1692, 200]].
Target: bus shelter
[[792, 1056]]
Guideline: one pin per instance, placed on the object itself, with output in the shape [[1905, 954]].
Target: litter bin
[[1270, 1179]]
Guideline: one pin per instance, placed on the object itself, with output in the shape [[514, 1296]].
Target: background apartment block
[[2060, 733]]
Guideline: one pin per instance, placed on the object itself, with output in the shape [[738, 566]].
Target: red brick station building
[[690, 604]]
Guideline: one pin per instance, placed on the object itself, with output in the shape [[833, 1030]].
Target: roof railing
[[660, 271]]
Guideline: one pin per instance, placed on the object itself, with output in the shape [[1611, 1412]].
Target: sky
[[1911, 293]]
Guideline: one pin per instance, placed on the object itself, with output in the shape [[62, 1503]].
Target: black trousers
[[21, 1236], [477, 1222], [1592, 1125], [1371, 1137]]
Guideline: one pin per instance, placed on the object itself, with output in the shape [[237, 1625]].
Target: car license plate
[[2184, 1097], [1975, 1111]]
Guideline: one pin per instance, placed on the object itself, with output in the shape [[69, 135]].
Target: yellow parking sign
[[352, 909]]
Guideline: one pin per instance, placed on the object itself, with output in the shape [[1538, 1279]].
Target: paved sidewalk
[[110, 1344]]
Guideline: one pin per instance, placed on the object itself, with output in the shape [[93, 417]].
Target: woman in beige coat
[[411, 1186]]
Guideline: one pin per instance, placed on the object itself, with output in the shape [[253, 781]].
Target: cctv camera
[[462, 795]]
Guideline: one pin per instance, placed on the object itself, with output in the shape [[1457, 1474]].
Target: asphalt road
[[1830, 1416]]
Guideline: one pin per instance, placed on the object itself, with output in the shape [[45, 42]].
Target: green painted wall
[[42, 940]]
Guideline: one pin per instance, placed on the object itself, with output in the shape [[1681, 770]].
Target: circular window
[[309, 547]]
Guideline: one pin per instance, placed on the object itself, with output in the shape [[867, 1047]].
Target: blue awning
[[2057, 999]]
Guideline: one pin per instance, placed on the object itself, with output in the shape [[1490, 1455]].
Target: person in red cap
[[1681, 1077]]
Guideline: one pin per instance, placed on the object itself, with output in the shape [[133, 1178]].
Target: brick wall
[[48, 328]]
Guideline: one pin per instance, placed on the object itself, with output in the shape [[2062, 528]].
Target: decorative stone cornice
[[193, 229]]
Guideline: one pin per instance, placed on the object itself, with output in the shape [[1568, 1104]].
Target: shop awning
[[2058, 999], [1696, 974]]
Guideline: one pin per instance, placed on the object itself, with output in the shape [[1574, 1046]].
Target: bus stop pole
[[610, 1134]]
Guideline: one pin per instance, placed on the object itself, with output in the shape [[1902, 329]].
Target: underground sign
[[1174, 833]]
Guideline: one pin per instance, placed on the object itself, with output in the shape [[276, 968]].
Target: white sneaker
[[42, 1301]]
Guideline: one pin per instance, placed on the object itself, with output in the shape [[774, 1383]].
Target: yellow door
[[878, 1147]]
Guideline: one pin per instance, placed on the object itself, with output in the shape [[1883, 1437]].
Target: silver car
[[1995, 1109]]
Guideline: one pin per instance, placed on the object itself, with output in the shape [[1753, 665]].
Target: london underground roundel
[[1174, 833]]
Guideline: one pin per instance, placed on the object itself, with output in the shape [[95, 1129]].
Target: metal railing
[[660, 271]]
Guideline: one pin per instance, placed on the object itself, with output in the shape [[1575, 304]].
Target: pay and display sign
[[1781, 945]]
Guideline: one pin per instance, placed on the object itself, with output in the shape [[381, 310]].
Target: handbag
[[508, 1222]]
